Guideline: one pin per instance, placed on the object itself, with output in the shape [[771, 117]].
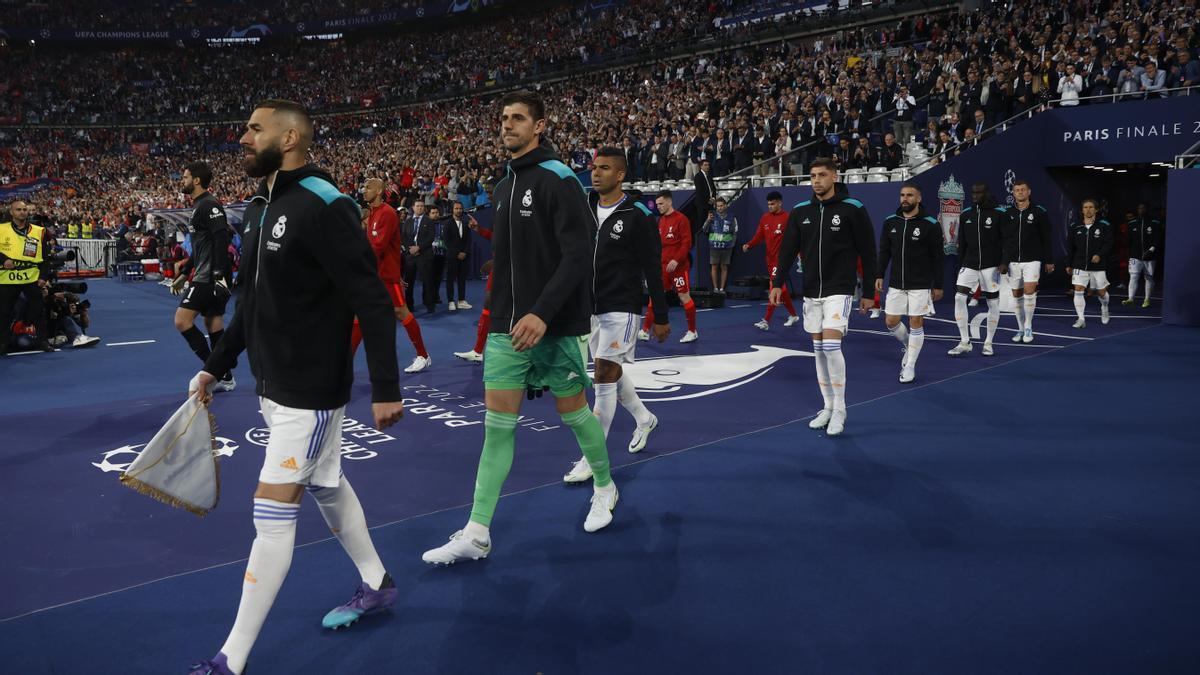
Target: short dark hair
[[823, 163], [720, 199], [774, 196], [666, 194], [200, 170], [615, 153], [912, 186], [280, 105], [705, 161], [530, 99], [1020, 181]]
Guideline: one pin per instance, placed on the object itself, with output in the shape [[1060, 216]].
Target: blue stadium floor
[[1031, 512]]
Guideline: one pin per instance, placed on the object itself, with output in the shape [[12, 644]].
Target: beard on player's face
[[263, 162]]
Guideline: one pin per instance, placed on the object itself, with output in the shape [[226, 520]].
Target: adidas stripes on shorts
[[305, 445]]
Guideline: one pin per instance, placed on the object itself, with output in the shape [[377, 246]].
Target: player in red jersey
[[675, 231], [485, 317], [770, 231], [383, 231]]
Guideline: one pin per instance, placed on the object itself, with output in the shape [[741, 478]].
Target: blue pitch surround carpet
[[1032, 512]]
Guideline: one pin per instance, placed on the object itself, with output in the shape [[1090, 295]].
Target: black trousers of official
[[412, 271], [435, 268], [456, 276], [34, 308]]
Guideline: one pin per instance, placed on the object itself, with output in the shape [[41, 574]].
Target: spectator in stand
[[891, 155], [1154, 81], [905, 104], [1070, 86]]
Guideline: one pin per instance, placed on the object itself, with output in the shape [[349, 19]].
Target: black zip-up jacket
[[543, 242], [628, 249], [831, 235], [307, 271], [1145, 238], [979, 238], [915, 243], [210, 241], [1084, 242], [1025, 234]]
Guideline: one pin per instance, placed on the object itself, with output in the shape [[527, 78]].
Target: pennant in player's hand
[[177, 466]]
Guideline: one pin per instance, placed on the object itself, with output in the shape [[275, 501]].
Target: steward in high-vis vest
[[89, 230], [21, 265], [72, 230]]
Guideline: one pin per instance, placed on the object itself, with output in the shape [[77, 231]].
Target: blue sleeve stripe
[[854, 202], [803, 203], [558, 168], [1042, 208], [322, 188], [642, 208], [932, 220]]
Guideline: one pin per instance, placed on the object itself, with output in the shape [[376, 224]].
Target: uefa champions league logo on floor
[[678, 378]]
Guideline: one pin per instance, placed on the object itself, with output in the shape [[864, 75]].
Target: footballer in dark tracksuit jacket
[[211, 272], [542, 241], [980, 247], [831, 236], [307, 271], [628, 250], [1145, 242], [1084, 244], [1025, 246], [914, 243]]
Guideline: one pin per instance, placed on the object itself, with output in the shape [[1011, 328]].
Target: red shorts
[[676, 281], [397, 293], [489, 282]]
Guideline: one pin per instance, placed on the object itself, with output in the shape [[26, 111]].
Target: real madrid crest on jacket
[[299, 235], [1085, 241], [832, 235], [979, 235], [546, 268], [627, 250], [914, 245]]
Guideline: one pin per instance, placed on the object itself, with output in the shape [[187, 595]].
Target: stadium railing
[[1001, 127]]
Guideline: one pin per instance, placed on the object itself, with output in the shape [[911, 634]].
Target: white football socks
[[1080, 300], [993, 317], [1030, 306], [1133, 285], [836, 363], [628, 397], [900, 332], [606, 404], [916, 339], [344, 515], [270, 558], [1019, 310], [961, 316], [822, 365]]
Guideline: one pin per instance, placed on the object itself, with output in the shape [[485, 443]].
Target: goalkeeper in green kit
[[543, 243]]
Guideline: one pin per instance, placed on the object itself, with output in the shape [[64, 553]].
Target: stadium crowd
[[858, 96], [162, 14]]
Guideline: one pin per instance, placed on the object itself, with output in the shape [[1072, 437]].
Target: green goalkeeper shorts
[[557, 362]]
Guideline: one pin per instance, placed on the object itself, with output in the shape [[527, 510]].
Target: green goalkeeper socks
[[494, 464], [590, 435]]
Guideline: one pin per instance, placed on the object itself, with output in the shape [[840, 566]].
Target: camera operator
[[21, 266], [67, 314]]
